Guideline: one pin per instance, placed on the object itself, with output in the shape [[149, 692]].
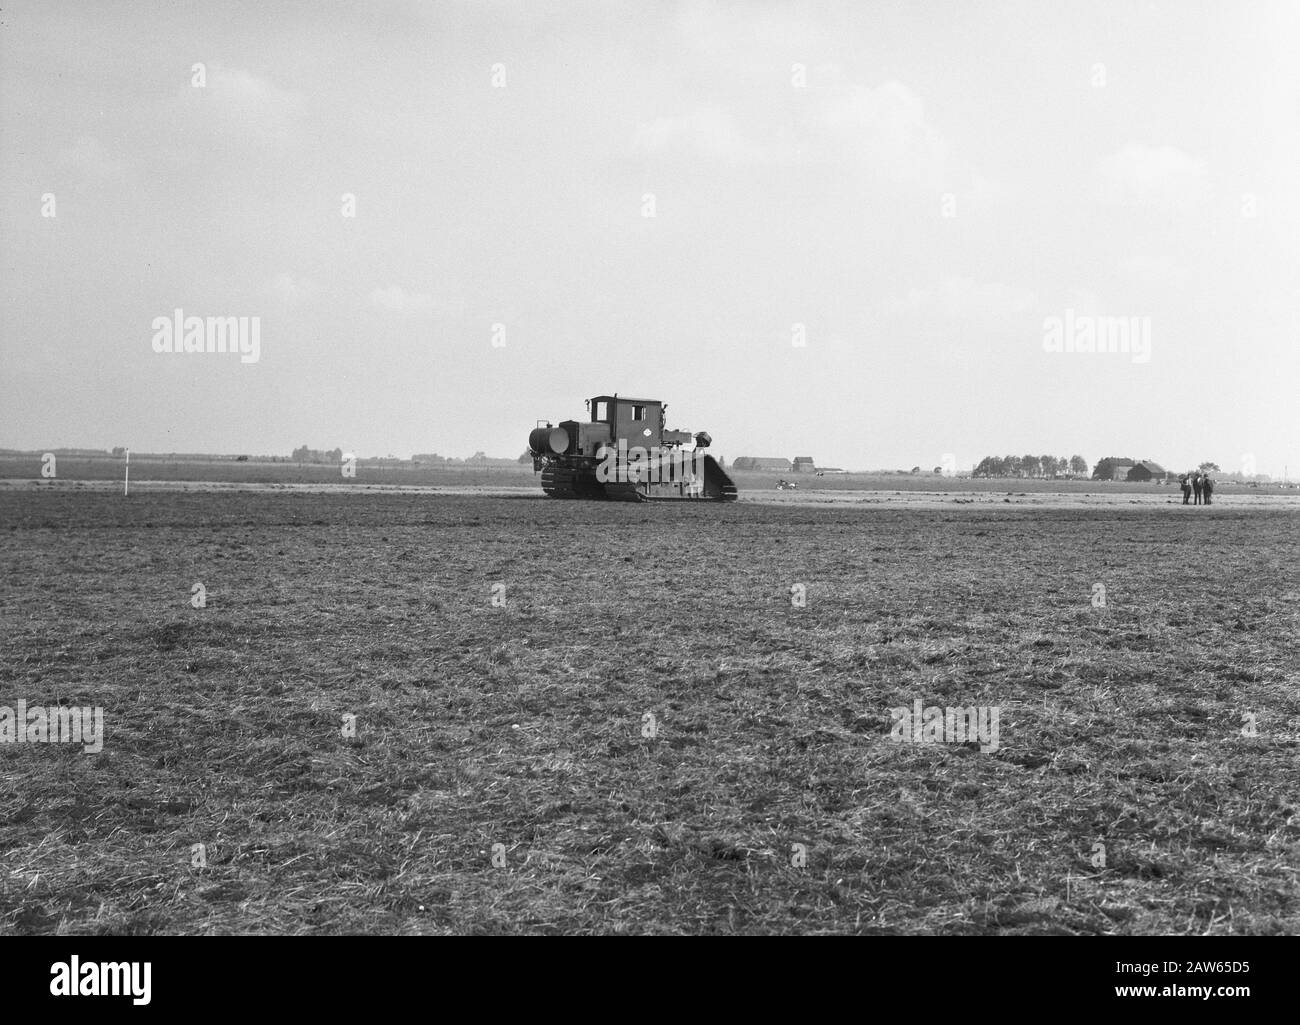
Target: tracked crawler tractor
[[626, 454]]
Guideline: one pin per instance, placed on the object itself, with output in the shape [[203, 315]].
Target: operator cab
[[636, 421]]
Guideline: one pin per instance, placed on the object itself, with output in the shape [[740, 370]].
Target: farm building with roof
[[760, 463], [1120, 471], [804, 464], [1145, 470]]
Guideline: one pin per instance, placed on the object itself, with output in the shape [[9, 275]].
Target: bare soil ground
[[1124, 796]]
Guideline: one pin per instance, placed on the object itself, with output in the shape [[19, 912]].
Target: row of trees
[[1030, 466], [1052, 466], [303, 454], [477, 459]]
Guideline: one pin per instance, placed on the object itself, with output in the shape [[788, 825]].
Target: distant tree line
[[477, 459], [303, 454], [315, 455], [1030, 466]]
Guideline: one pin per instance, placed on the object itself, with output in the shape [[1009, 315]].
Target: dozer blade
[[715, 487], [718, 487]]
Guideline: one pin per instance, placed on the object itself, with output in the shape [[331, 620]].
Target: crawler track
[[576, 483]]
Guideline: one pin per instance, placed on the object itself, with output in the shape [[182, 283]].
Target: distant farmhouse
[[801, 464], [1145, 470], [760, 463]]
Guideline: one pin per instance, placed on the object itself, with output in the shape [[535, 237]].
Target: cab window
[[638, 412]]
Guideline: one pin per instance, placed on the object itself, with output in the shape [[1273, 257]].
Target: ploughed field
[[589, 717]]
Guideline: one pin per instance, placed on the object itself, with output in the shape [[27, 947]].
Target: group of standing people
[[1197, 483]]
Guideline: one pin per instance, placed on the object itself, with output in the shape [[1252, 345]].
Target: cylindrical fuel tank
[[549, 439]]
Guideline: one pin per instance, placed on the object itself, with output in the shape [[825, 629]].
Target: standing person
[[1185, 482], [1196, 487], [1207, 488]]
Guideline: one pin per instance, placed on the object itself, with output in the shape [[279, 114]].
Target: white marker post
[[126, 481]]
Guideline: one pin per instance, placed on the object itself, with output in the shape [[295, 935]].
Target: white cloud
[[1150, 269], [292, 290], [885, 128], [1160, 177], [244, 94], [89, 161], [237, 106], [882, 130], [395, 299], [958, 297], [709, 131], [749, 40], [743, 51]]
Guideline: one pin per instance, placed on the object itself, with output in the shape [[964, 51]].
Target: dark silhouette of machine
[[626, 454]]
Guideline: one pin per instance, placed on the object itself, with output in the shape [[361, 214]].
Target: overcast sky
[[919, 185]]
